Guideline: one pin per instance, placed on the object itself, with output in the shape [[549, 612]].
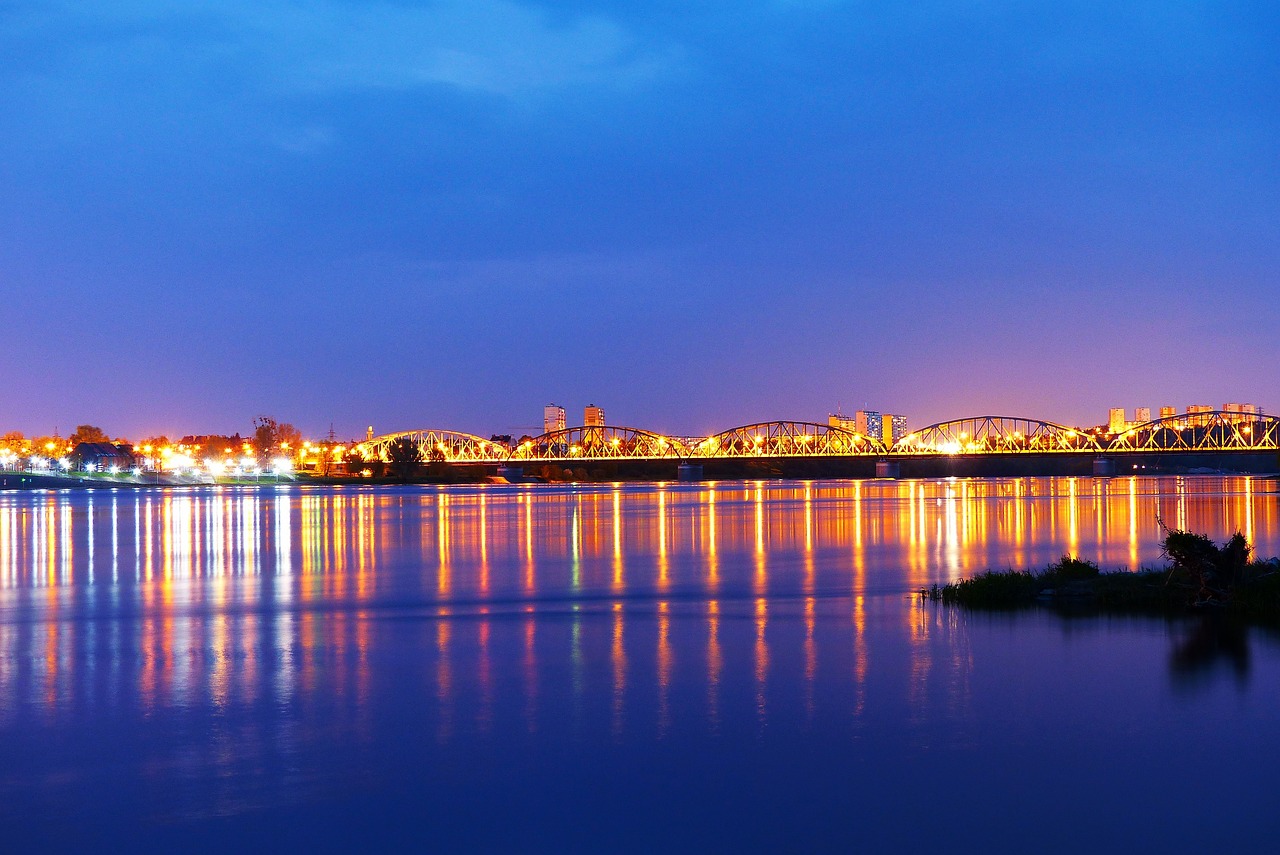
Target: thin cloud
[[495, 47]]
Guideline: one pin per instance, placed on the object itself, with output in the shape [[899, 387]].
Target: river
[[736, 666]]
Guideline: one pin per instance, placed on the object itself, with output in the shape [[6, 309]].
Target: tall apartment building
[[1168, 412], [1142, 415], [894, 428], [886, 427], [593, 416], [869, 423], [552, 418], [1115, 421]]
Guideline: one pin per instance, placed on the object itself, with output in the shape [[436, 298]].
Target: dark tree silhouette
[[404, 457], [268, 434], [89, 433]]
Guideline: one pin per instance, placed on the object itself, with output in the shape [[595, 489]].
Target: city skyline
[[719, 214], [888, 427]]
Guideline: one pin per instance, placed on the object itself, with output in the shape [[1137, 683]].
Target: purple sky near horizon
[[694, 215]]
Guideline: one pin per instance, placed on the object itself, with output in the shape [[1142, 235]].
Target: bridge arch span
[[786, 439], [599, 442], [450, 446], [988, 434], [1211, 431]]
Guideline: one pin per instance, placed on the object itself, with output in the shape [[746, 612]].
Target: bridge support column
[[689, 472], [1104, 467], [511, 473], [888, 469]]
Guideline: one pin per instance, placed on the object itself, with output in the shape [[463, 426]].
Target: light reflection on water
[[236, 651], [502, 543]]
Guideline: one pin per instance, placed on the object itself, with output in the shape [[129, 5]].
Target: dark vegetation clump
[[1010, 588], [1200, 575]]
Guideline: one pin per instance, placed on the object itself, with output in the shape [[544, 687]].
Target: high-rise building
[[552, 418], [1142, 415], [1168, 412], [886, 427], [593, 416], [869, 423], [894, 428], [1116, 422]]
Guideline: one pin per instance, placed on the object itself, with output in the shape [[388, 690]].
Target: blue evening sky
[[695, 215]]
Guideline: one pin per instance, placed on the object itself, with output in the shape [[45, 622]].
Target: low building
[[1196, 414], [101, 456], [840, 420], [1241, 412]]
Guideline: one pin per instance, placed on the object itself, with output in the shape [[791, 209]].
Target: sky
[[695, 215]]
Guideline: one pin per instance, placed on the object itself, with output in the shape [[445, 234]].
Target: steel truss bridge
[[976, 436]]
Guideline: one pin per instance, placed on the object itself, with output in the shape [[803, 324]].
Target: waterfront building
[[101, 456], [593, 416], [552, 418], [1116, 422], [1142, 415]]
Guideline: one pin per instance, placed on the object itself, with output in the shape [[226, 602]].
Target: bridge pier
[[511, 473], [888, 469], [689, 472], [1104, 467]]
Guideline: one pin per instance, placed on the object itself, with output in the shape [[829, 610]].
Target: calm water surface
[[728, 667]]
